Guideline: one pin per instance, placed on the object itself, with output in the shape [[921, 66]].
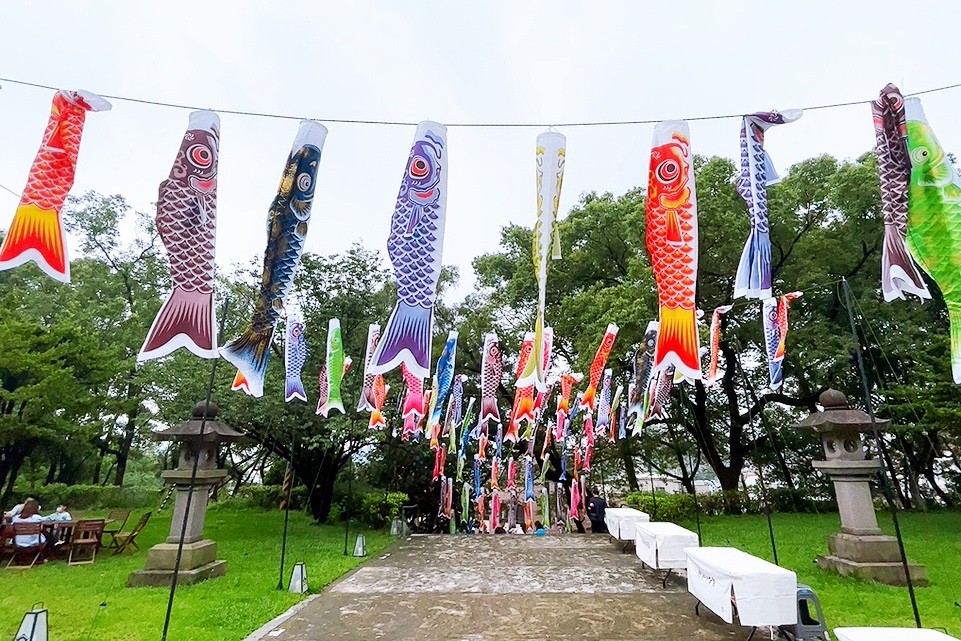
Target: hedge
[[676, 507], [85, 497]]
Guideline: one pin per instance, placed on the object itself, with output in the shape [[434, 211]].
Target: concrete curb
[[262, 631]]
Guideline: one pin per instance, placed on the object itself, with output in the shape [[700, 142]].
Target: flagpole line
[[401, 123]]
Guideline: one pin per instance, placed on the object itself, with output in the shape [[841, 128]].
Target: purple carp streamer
[[899, 274], [415, 246], [295, 355], [757, 172]]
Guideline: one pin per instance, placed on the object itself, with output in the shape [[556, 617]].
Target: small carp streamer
[[36, 233], [414, 406], [774, 314], [492, 371], [753, 278], [589, 399], [187, 224], [550, 155], [604, 405], [295, 355], [287, 222], [637, 397], [366, 401], [443, 378], [672, 245], [415, 246], [336, 366], [568, 381], [524, 395], [715, 342]]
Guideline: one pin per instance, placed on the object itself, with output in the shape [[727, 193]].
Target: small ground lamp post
[[859, 549], [200, 438]]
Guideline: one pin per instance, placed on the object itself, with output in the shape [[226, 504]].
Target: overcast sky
[[547, 61]]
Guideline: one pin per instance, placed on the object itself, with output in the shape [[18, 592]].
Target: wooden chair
[[129, 539], [6, 539], [87, 535], [116, 520], [27, 529]]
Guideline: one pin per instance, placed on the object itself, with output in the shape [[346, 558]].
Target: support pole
[[193, 481], [288, 491], [885, 484], [760, 472], [350, 503], [697, 445]]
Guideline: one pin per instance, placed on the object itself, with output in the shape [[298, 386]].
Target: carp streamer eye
[[668, 171], [304, 182], [419, 168], [920, 155], [199, 156]]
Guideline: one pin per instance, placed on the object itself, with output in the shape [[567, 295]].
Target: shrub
[[85, 497], [375, 509], [268, 497], [674, 507]]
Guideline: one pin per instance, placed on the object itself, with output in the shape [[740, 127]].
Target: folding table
[[727, 580]]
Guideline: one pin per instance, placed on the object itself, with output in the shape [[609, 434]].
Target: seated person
[[17, 509], [59, 533], [539, 529], [500, 530], [517, 529], [29, 514], [60, 515]]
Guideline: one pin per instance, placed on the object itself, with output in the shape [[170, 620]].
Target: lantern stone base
[[197, 563], [871, 558]]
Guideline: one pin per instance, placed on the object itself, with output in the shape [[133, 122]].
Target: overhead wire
[[486, 125]]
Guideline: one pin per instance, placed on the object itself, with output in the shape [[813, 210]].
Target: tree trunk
[[11, 460], [52, 470], [98, 466], [889, 467], [130, 429], [629, 465]]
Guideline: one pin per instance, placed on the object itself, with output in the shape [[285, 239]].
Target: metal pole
[[697, 444], [885, 486], [288, 491], [193, 481], [350, 501], [760, 473]]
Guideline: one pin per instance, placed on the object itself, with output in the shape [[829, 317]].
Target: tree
[[352, 287], [826, 226]]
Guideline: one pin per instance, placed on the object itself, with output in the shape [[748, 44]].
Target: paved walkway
[[503, 588]]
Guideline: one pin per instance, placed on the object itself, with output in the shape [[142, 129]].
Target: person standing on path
[[596, 507]]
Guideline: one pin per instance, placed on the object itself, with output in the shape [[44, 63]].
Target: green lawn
[[933, 540], [224, 609]]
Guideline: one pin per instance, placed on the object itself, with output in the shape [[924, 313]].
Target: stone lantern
[[860, 549], [200, 438]]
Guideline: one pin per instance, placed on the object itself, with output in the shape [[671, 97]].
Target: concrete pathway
[[503, 588]]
